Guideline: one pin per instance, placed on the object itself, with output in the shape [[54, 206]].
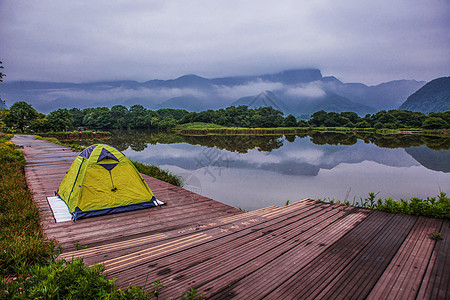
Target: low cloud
[[118, 94], [311, 156], [311, 90], [250, 89]]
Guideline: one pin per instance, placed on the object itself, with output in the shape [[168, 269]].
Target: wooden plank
[[281, 272], [229, 237], [136, 244], [404, 274], [356, 279], [216, 274], [436, 282]]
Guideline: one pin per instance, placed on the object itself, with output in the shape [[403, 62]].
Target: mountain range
[[432, 97], [297, 92]]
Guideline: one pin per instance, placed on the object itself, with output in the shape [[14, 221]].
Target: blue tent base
[[79, 214]]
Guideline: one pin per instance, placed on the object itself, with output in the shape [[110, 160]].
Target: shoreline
[[296, 130]]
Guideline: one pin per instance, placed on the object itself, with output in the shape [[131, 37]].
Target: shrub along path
[[304, 250]]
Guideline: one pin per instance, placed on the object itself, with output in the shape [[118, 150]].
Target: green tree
[[435, 123], [445, 115], [120, 116], [408, 119], [335, 120], [60, 120], [20, 115], [290, 121], [351, 116], [78, 116], [3, 114], [318, 118], [174, 113], [272, 117], [362, 124], [40, 125], [98, 118], [138, 116]]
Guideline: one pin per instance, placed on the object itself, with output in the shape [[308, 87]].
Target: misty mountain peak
[[294, 76], [190, 80], [191, 77]]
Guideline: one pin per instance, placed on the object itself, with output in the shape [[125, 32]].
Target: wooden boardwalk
[[306, 250]]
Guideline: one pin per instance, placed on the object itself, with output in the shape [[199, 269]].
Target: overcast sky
[[357, 41]]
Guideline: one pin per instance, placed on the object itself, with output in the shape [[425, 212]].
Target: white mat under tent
[[61, 211], [59, 208], [159, 202]]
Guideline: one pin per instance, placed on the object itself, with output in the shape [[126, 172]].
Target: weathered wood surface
[[306, 250]]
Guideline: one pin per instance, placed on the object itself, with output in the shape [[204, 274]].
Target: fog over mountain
[[299, 91]]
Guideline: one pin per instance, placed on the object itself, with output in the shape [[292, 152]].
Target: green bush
[[158, 173], [432, 207], [67, 280]]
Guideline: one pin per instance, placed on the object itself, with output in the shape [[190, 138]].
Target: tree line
[[392, 119], [22, 116]]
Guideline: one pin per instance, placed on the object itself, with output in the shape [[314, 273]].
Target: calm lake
[[252, 172]]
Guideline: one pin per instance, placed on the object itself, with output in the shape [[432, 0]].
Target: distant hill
[[263, 99], [388, 95], [296, 91], [299, 106], [432, 97], [332, 102], [188, 102]]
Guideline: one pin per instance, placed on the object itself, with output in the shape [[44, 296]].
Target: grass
[[54, 140], [200, 128], [432, 207], [76, 134], [21, 240], [199, 125], [158, 173]]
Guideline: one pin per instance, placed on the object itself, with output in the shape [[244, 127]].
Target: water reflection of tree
[[410, 140], [290, 138], [333, 138], [139, 139], [383, 141], [238, 143]]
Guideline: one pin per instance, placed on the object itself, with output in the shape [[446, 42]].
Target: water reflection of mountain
[[300, 157], [431, 159], [294, 155]]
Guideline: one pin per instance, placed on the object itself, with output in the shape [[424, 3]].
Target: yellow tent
[[102, 180]]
